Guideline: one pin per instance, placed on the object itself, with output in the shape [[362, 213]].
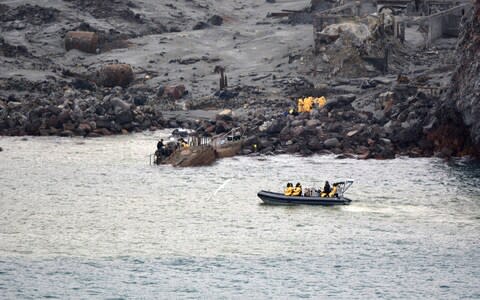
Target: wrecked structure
[[435, 18]]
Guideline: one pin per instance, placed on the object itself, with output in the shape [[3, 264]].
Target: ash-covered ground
[[174, 48]]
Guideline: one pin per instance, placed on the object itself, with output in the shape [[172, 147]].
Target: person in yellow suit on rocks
[[300, 105], [308, 104], [321, 101], [289, 189]]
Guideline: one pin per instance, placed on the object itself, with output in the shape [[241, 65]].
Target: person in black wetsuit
[[326, 189], [160, 146]]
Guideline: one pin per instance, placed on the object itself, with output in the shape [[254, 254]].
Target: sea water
[[92, 219]]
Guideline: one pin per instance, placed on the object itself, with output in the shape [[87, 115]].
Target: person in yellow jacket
[[298, 190], [321, 101], [182, 143], [300, 105], [333, 193], [308, 104], [289, 189]]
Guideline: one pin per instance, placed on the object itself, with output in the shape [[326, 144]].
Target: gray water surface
[[90, 218]]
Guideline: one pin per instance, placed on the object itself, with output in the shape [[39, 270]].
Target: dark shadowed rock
[[293, 148], [83, 129], [315, 144], [124, 117], [66, 133], [276, 126], [297, 131], [340, 101], [140, 99], [226, 94], [215, 20], [175, 91], [312, 123], [331, 143], [83, 84], [462, 98], [200, 25], [119, 105], [160, 91]]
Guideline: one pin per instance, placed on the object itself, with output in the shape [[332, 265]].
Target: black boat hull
[[281, 199]]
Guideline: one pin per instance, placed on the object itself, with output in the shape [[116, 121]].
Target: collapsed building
[[376, 28]]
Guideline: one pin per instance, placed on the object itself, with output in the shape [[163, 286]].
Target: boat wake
[[219, 188]]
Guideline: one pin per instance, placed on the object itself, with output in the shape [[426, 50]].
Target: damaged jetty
[[198, 151]]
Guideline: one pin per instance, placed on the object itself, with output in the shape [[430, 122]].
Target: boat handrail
[[346, 184], [217, 139], [231, 132]]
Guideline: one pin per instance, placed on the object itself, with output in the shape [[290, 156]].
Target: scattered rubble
[[381, 71]]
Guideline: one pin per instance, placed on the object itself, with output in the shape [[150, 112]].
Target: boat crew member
[[326, 189], [333, 193], [289, 190], [182, 143], [298, 190], [160, 145], [160, 148]]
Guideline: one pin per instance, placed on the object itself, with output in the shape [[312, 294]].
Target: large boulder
[[276, 126], [331, 143], [119, 105], [124, 117]]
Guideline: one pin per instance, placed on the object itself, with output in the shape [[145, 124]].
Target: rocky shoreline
[[368, 114]]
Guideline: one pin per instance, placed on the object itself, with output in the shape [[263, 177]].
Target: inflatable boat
[[280, 199]]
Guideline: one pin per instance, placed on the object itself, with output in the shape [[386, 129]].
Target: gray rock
[[119, 105], [314, 144], [216, 20], [296, 123], [140, 99], [331, 143], [297, 131], [14, 105], [312, 123], [276, 126], [347, 98]]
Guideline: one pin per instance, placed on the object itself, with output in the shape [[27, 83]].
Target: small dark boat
[[280, 199]]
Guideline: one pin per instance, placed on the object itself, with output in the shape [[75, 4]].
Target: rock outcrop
[[457, 129]]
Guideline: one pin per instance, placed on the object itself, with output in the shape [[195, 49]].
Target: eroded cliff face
[[458, 129]]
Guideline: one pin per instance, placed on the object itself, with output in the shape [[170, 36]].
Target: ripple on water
[[90, 224]]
